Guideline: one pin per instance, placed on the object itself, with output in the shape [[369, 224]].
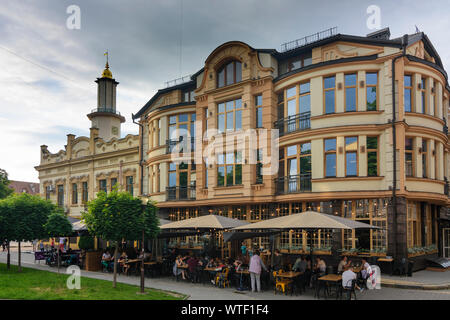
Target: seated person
[[347, 277], [300, 264], [122, 262], [211, 263], [320, 266], [106, 260], [366, 270], [176, 270], [344, 262]]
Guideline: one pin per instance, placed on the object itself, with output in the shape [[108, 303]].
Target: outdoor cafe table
[[289, 274], [335, 279]]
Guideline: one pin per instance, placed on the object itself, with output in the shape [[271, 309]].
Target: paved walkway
[[209, 292], [424, 279]]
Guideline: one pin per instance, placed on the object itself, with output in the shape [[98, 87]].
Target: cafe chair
[[222, 278], [350, 290], [281, 285]]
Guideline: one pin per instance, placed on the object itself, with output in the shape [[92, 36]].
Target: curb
[[414, 286]]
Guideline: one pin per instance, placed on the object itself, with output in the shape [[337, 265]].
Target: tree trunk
[[116, 250], [20, 260], [142, 265], [8, 258], [58, 257]]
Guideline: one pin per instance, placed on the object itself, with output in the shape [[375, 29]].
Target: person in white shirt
[[366, 270], [347, 276]]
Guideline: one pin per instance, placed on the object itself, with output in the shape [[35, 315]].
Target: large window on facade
[[330, 157], [258, 109], [259, 166], [113, 183], [47, 192], [103, 185], [229, 117], [350, 92], [423, 95], [74, 193], [351, 156], [84, 197], [229, 169], [172, 174], [329, 85], [60, 189], [409, 157], [371, 91], [295, 168], [433, 100], [183, 138], [413, 224], [372, 156], [229, 73], [424, 158], [188, 96], [129, 184], [408, 93], [298, 62]]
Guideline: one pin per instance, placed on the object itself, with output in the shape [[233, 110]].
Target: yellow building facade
[[73, 176], [269, 133]]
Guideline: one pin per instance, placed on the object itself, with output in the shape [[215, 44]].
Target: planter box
[[93, 261]]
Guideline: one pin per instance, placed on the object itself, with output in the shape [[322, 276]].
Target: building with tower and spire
[[86, 165]]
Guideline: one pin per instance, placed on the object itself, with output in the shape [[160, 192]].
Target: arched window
[[229, 73]]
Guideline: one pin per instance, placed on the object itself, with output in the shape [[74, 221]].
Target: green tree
[[25, 216], [86, 243], [58, 225], [5, 190], [115, 216]]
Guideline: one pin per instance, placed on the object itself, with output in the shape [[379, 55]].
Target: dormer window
[[229, 73]]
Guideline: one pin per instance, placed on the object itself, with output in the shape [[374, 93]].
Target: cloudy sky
[[48, 70]]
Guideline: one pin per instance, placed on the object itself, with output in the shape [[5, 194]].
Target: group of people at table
[[190, 266], [124, 259]]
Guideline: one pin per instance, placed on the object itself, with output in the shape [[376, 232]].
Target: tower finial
[[107, 73], [107, 64]]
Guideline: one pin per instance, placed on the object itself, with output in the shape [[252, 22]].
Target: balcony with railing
[[106, 110], [180, 193], [182, 145], [298, 122], [293, 184]]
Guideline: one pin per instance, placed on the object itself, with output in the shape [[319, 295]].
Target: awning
[[307, 220], [206, 222]]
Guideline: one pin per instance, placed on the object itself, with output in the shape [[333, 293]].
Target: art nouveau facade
[[73, 176], [332, 103]]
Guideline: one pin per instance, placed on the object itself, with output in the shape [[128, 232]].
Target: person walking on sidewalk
[[255, 268]]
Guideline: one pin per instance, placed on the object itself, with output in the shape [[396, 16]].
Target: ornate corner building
[[362, 125], [73, 176]]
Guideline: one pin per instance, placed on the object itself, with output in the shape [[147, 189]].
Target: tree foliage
[[5, 190], [58, 225], [114, 216], [24, 216], [86, 243], [151, 221]]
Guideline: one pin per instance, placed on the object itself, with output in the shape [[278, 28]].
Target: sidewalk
[[424, 279]]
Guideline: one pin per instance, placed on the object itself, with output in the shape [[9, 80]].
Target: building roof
[[380, 38], [23, 186]]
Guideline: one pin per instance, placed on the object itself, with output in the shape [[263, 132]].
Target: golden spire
[[106, 73]]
